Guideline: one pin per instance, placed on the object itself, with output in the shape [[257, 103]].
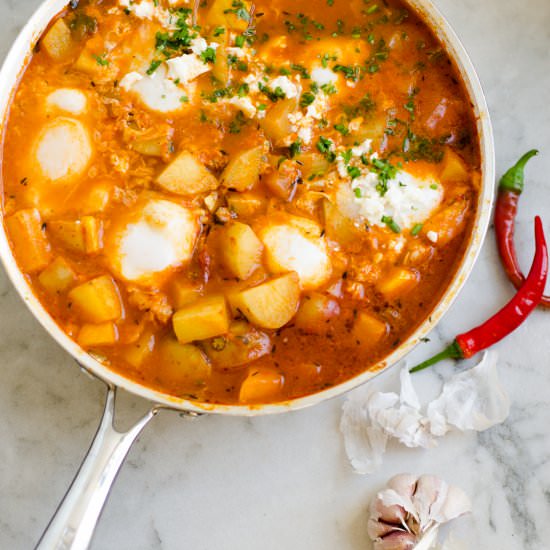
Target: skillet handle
[[73, 524]]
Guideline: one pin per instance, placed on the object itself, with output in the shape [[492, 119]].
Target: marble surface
[[284, 482]]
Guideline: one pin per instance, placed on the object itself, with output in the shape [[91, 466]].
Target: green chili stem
[[451, 352], [514, 179]]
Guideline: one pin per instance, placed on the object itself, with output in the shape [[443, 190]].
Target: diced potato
[[271, 304], [282, 181], [26, 232], [276, 125], [220, 69], [93, 234], [240, 250], [443, 227], [315, 312], [183, 292], [243, 171], [339, 228], [223, 14], [182, 363], [262, 385], [245, 205], [84, 236], [369, 330], [156, 142], [105, 334], [70, 233], [454, 168], [243, 344], [58, 276], [57, 41], [186, 175], [312, 164], [97, 300], [96, 199], [398, 282], [91, 63], [137, 352], [205, 318]]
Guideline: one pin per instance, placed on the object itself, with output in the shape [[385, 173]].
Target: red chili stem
[[509, 318], [510, 189]]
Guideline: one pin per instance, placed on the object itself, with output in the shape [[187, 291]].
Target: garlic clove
[[396, 541]]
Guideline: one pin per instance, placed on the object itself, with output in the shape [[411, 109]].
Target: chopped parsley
[[358, 193], [208, 55], [239, 41], [295, 148], [155, 64], [350, 73], [324, 145], [218, 31], [342, 128], [101, 59], [274, 95], [307, 99], [329, 88], [238, 8], [353, 172]]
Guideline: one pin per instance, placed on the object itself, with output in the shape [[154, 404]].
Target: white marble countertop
[[284, 482]]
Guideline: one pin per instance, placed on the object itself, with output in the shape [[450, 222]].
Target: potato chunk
[[186, 175], [240, 250], [242, 344], [243, 171], [136, 352], [84, 236], [29, 240], [315, 312], [398, 282], [271, 304], [262, 385], [58, 276], [276, 124], [97, 301], [105, 334], [245, 205], [202, 319], [454, 168], [369, 330], [57, 41], [282, 181], [183, 292], [222, 13], [182, 363], [449, 222]]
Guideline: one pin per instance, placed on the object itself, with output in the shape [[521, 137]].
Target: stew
[[239, 203]]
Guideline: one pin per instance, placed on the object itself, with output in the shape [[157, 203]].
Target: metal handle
[[73, 525]]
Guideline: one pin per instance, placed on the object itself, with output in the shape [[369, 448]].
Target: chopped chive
[[389, 221], [155, 64], [417, 229]]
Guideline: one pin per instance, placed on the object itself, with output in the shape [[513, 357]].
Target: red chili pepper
[[509, 191], [509, 318]]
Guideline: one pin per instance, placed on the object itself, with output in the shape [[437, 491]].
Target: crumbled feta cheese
[[200, 45], [157, 91], [318, 108], [363, 149], [186, 67], [432, 236], [144, 9], [287, 86], [322, 76], [408, 200], [305, 134], [244, 104]]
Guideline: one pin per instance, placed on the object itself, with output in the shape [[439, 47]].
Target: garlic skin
[[407, 514], [471, 400]]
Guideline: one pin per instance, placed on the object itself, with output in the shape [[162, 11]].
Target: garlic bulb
[[407, 514]]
